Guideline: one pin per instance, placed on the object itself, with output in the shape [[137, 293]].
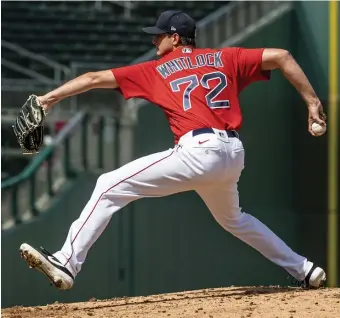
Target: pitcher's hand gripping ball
[[29, 125], [318, 129]]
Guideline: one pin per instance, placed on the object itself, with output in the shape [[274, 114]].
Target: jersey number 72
[[193, 82]]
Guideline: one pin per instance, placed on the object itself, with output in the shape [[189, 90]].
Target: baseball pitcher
[[198, 90]]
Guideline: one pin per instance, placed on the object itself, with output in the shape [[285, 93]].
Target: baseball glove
[[29, 125]]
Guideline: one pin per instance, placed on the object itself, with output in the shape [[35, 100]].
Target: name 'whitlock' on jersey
[[190, 62]]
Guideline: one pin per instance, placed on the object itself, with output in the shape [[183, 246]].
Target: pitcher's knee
[[102, 180], [112, 184], [106, 181], [235, 223]]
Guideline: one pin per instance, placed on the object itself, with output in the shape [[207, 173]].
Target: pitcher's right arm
[[281, 59]]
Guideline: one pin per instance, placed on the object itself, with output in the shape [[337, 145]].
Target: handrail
[[127, 5], [216, 14], [41, 157], [96, 65], [262, 22], [57, 67], [28, 72], [38, 57], [24, 85], [88, 65], [124, 4], [74, 149]]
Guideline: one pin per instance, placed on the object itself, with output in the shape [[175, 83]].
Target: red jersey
[[195, 88]]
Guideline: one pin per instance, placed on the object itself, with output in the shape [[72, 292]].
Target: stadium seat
[[77, 31]]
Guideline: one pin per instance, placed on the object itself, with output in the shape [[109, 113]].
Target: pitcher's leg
[[151, 176], [223, 202], [91, 223]]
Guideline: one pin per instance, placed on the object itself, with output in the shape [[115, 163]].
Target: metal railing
[[60, 71], [87, 142], [23, 70], [78, 68], [265, 20], [127, 5], [35, 81]]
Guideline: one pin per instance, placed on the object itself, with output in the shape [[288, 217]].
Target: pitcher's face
[[165, 43]]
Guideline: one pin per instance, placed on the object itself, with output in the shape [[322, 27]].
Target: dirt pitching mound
[[217, 302]]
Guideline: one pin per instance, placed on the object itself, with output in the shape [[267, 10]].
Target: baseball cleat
[[45, 262], [315, 278]]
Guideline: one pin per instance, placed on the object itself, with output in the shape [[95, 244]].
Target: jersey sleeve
[[247, 64], [136, 80]]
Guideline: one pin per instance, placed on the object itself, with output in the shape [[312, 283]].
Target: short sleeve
[[248, 66], [136, 80]]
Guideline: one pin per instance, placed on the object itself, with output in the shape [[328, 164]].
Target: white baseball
[[318, 129]]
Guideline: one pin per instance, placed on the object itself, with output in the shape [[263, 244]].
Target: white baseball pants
[[210, 164]]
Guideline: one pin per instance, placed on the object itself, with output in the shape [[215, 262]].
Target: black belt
[[199, 131]]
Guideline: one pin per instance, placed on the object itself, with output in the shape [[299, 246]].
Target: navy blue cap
[[173, 22]]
